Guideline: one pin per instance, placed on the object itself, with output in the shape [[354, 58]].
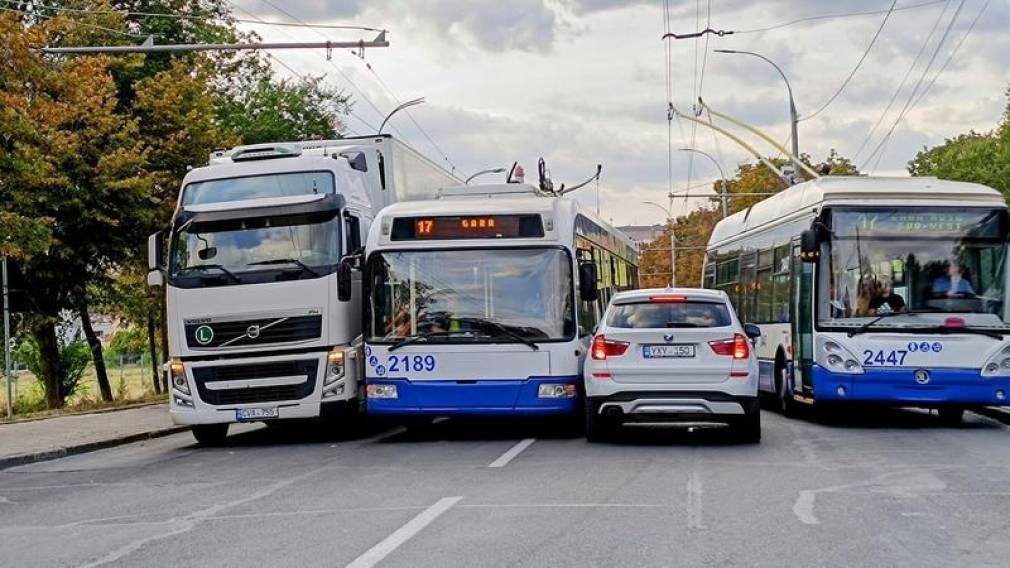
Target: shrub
[[74, 359]]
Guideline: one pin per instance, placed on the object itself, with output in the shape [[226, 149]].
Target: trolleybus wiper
[[295, 261], [866, 326], [203, 267], [423, 337], [503, 331]]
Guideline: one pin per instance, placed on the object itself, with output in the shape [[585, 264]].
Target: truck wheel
[[597, 429], [210, 434], [950, 415], [748, 428]]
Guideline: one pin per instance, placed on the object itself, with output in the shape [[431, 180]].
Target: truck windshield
[[243, 250], [486, 295], [928, 260], [256, 187]]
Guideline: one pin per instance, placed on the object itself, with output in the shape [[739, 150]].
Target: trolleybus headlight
[[852, 366], [834, 360], [550, 390], [178, 370], [832, 347], [334, 366], [382, 391], [1005, 364], [992, 368]]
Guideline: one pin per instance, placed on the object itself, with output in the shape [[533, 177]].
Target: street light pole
[[793, 117], [7, 340], [483, 172], [673, 242], [724, 197]]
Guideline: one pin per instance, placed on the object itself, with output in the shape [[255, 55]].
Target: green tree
[[975, 157]]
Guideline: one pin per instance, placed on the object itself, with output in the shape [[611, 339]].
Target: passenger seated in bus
[[868, 290], [953, 284], [886, 301]]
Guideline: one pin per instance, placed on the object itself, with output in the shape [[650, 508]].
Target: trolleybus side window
[[781, 310]]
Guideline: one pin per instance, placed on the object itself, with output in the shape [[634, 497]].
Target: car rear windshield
[[664, 315]]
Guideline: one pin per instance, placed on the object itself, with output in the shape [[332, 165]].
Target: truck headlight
[[334, 367], [177, 370]]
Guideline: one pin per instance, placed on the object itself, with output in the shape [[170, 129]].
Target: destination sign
[[917, 222], [467, 227]]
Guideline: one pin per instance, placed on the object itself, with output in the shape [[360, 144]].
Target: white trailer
[[263, 293]]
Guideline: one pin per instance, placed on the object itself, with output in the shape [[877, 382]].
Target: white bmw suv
[[672, 355]]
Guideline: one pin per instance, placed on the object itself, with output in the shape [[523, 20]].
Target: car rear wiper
[[295, 261], [203, 267], [675, 324], [503, 331], [422, 338]]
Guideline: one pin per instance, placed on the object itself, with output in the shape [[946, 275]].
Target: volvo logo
[[253, 331], [203, 334], [922, 376], [668, 337]]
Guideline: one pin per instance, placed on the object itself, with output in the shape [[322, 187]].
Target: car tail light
[[603, 348], [738, 347]]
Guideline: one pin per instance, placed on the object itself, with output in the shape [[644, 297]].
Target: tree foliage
[[975, 157]]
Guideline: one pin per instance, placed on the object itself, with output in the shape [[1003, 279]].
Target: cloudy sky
[[582, 82]]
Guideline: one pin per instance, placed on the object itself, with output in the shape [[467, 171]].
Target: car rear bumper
[[672, 406]]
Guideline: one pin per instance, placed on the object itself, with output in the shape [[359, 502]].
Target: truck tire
[[210, 434]]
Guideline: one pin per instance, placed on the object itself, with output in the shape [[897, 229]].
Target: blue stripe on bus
[[486, 397], [966, 386]]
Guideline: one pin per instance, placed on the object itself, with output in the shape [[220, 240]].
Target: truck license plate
[[254, 414]]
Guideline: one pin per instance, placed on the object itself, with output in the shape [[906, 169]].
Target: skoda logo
[[253, 331], [204, 334], [668, 337], [922, 376]]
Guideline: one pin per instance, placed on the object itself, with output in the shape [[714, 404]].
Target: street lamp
[[407, 104], [794, 119], [724, 197], [673, 241], [482, 172]]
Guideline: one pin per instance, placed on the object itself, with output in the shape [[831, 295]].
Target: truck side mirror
[[810, 246], [155, 259], [155, 251], [587, 282], [344, 280]]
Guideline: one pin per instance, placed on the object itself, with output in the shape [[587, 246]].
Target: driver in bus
[[953, 284], [886, 301]]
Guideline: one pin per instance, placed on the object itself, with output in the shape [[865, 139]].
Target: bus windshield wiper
[[420, 338], [868, 325], [972, 330], [503, 331], [294, 261], [203, 267]]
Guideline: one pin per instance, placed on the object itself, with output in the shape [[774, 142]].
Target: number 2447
[[884, 358]]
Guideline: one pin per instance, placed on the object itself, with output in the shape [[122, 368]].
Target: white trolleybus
[[882, 290], [483, 301], [263, 302]]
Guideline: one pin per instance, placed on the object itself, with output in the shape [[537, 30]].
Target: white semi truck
[[262, 279]]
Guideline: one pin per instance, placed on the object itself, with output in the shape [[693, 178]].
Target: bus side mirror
[[587, 282], [155, 259], [810, 246], [344, 280]]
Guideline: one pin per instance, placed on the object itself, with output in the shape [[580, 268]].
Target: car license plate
[[667, 351], [254, 414]]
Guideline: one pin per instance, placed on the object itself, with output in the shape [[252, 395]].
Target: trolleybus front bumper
[[926, 387]]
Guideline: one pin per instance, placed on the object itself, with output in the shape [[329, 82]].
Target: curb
[[24, 459], [5, 421]]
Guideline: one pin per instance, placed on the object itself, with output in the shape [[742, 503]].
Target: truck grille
[[243, 333], [204, 375]]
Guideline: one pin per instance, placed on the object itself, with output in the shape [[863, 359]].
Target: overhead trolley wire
[[837, 16], [859, 64]]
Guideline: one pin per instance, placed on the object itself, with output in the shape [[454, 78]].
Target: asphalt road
[[874, 488]]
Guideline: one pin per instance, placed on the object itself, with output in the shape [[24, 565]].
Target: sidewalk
[[50, 438]]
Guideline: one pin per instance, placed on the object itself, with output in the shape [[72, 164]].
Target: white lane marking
[[695, 491], [512, 452], [374, 555], [803, 508]]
